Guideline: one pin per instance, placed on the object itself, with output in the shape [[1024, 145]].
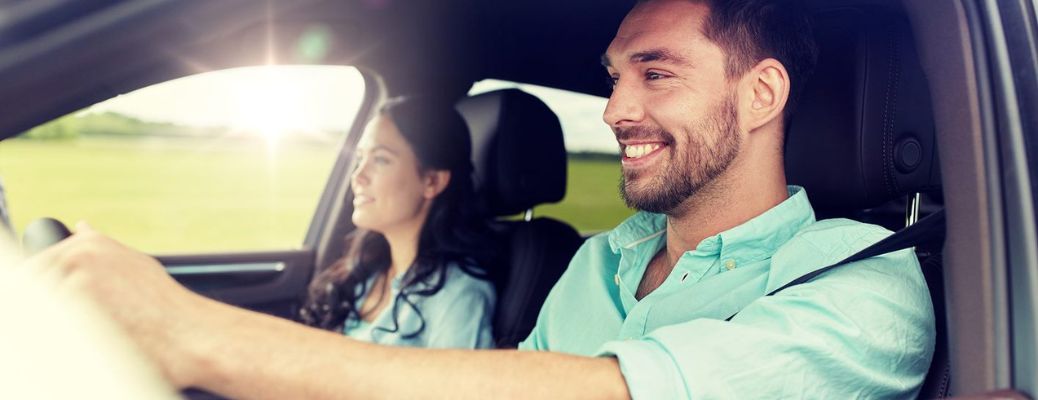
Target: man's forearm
[[251, 356]]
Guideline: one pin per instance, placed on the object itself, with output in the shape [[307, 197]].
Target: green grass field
[[592, 201], [176, 195]]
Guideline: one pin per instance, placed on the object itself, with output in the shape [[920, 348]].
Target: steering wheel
[[42, 233]]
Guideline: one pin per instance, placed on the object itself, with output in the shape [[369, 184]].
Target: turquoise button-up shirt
[[864, 330]]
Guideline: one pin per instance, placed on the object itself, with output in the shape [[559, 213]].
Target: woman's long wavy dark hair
[[452, 232]]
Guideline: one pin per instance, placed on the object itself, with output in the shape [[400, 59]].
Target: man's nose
[[624, 106]]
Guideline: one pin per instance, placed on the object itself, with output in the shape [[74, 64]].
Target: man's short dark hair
[[752, 30]]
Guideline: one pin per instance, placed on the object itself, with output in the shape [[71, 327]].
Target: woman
[[410, 275]]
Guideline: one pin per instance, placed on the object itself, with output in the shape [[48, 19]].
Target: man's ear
[[765, 95], [435, 182]]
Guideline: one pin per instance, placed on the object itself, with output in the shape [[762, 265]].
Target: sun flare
[[271, 106]]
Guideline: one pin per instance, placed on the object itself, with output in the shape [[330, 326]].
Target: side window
[[232, 160], [592, 203]]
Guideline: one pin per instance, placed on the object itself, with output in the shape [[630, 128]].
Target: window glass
[[592, 201], [227, 160]]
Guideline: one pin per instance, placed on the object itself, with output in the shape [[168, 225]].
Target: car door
[[235, 185]]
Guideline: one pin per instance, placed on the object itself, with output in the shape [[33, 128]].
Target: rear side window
[[592, 203], [232, 160]]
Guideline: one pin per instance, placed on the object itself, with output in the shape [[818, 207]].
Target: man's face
[[672, 108]]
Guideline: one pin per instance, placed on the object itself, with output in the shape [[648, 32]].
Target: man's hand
[[131, 287]]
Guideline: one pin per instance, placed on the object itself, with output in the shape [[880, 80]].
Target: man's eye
[[611, 82], [651, 76], [381, 160]]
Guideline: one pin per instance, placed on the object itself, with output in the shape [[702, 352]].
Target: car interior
[[900, 103]]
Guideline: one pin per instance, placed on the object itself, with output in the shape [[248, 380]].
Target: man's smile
[[640, 154]]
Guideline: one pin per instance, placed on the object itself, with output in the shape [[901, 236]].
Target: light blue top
[[863, 330], [460, 315]]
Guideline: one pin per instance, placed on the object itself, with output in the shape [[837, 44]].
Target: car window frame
[[1014, 42]]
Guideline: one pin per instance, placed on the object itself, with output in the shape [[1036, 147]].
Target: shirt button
[[729, 265], [616, 278]]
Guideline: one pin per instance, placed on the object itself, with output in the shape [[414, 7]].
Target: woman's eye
[[381, 160]]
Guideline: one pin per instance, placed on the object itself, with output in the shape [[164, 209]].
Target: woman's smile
[[360, 199]]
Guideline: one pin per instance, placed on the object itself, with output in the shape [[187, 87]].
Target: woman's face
[[389, 192]]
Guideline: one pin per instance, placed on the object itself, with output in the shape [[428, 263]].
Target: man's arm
[[250, 355], [242, 354]]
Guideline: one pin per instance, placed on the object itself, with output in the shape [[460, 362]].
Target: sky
[[302, 97], [278, 99], [580, 115]]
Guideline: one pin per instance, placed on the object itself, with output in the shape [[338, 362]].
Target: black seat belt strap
[[925, 229]]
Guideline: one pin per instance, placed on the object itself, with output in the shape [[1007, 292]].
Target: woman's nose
[[359, 176]]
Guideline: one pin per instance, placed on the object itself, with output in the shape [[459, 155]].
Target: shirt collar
[[753, 240]]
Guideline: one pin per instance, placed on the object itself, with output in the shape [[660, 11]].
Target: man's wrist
[[191, 357]]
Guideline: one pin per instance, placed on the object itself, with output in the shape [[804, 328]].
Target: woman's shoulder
[[467, 276]]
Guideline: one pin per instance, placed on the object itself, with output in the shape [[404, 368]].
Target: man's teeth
[[640, 150]]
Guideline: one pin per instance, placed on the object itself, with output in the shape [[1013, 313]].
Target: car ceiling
[[59, 56]]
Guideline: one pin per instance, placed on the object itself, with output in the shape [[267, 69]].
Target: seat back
[[864, 135], [864, 132], [520, 161]]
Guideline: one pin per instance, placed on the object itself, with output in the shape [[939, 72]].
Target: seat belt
[[926, 229]]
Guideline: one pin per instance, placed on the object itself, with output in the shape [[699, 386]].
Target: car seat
[[864, 138], [520, 161]]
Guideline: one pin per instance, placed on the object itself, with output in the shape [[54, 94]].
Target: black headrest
[[864, 132], [517, 150]]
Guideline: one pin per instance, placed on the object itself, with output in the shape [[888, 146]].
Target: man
[[702, 90]]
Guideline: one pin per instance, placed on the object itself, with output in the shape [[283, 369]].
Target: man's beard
[[690, 169]]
